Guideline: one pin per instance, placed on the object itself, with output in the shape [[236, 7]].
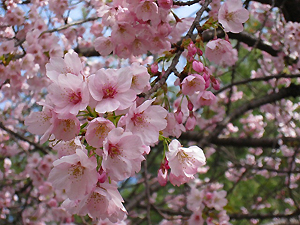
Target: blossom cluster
[[102, 130], [139, 26]]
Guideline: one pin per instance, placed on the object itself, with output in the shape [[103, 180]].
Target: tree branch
[[20, 137], [291, 91]]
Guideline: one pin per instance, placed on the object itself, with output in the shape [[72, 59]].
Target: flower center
[[138, 118], [75, 98], [109, 92], [113, 150]]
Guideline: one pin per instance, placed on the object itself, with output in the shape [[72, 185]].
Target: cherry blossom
[[111, 89], [184, 161], [232, 15], [76, 174], [124, 151], [145, 121]]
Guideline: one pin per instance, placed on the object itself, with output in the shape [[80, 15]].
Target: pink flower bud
[[192, 50], [206, 76], [52, 203], [162, 177], [207, 83], [215, 83], [102, 176], [190, 106], [178, 116], [191, 122], [200, 52], [154, 68], [198, 66]]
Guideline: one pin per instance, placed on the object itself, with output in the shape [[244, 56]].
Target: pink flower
[[70, 64], [145, 121], [207, 98], [111, 88], [196, 218], [103, 45], [165, 4], [65, 128], [220, 51], [67, 147], [122, 33], [173, 127], [198, 66], [97, 131], [146, 10], [140, 79], [76, 174], [162, 176], [104, 202], [122, 154], [193, 83], [40, 123], [69, 94], [232, 15], [184, 162], [191, 122]]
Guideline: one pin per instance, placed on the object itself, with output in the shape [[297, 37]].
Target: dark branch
[[20, 137], [291, 91]]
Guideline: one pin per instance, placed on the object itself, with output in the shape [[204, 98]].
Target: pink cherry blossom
[[184, 161], [162, 176], [70, 64], [207, 98], [103, 45], [232, 15], [76, 174], [165, 4], [103, 202], [111, 89], [97, 131], [220, 51], [65, 128], [145, 121], [122, 154], [69, 94], [40, 123], [146, 10], [140, 79], [193, 83]]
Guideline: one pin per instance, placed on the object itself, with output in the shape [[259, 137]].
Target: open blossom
[[232, 15], [122, 154], [140, 78], [65, 128], [69, 94], [146, 10], [104, 202], [193, 83], [111, 89], [40, 123], [70, 64], [145, 121], [97, 131], [220, 51], [184, 162], [76, 174]]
